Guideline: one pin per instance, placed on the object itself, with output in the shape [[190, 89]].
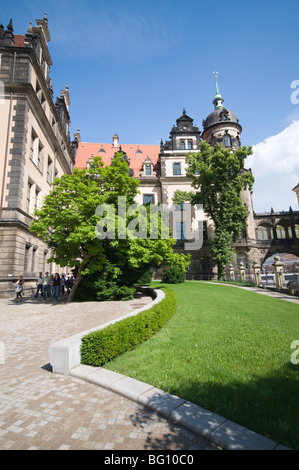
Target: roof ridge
[[111, 143]]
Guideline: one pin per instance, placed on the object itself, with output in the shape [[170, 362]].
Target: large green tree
[[71, 223], [219, 175]]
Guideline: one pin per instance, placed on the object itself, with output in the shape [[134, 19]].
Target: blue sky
[[133, 65]]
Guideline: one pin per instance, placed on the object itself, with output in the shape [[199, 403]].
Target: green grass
[[227, 350]]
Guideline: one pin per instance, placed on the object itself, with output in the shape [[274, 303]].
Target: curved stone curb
[[215, 428], [65, 354], [65, 359]]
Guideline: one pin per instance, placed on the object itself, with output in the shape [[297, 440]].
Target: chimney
[[77, 135], [115, 141]]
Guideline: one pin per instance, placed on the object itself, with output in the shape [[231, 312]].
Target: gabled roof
[[137, 154]]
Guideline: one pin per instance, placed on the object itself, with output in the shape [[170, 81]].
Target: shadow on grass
[[268, 405]]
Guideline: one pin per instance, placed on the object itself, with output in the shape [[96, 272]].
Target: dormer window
[[148, 170], [223, 116]]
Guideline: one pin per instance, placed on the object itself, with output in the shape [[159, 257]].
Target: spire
[[218, 100], [9, 26]]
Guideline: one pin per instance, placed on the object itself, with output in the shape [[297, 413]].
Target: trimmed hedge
[[173, 275], [102, 346]]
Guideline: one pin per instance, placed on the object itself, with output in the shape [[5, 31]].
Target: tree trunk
[[77, 281]]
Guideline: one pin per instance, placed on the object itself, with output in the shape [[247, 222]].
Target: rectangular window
[[28, 196], [45, 260], [176, 168], [27, 257], [40, 157], [49, 170], [34, 146], [33, 260], [148, 199], [37, 198]]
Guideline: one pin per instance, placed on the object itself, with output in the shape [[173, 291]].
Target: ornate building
[[162, 170], [34, 148]]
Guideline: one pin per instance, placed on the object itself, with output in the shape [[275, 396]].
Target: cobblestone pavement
[[41, 410]]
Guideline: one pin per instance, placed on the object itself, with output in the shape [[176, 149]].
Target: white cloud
[[275, 166]]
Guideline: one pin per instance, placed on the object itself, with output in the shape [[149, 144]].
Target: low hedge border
[[100, 347]]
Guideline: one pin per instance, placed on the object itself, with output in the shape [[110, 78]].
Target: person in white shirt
[[39, 285]]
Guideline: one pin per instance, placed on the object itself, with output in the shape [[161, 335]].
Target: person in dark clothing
[[56, 284]]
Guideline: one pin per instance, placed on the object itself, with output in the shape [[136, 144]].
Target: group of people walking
[[47, 285]]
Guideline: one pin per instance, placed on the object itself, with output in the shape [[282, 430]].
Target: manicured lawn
[[227, 350]]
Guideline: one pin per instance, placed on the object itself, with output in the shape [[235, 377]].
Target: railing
[[287, 282]]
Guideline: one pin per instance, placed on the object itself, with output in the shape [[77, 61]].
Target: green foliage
[[101, 346], [220, 176], [68, 222], [112, 283], [173, 276]]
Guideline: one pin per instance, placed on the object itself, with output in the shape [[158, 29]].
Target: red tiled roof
[[19, 40], [136, 153]]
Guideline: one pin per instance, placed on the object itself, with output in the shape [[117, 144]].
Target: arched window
[[183, 146], [297, 230], [226, 141], [280, 232], [237, 142], [264, 232], [189, 145]]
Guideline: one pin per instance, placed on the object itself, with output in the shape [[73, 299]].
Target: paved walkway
[[270, 293], [40, 410]]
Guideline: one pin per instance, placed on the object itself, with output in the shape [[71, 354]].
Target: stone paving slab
[[40, 410]]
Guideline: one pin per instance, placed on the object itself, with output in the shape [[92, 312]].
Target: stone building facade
[[162, 170], [34, 148]]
